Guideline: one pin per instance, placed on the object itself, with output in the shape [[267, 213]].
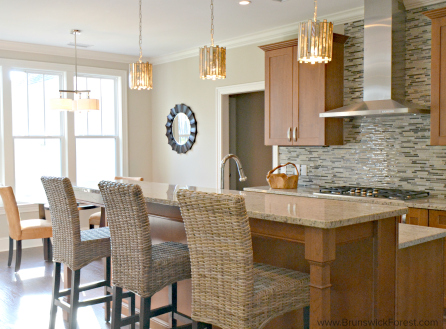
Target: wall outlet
[[303, 170]]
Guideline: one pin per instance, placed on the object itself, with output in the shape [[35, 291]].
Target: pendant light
[[213, 58], [140, 74], [315, 44], [79, 103]]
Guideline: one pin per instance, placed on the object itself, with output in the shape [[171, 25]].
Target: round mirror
[[181, 128]]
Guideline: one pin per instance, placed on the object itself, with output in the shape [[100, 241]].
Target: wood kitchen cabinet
[[438, 77], [418, 216], [433, 218], [296, 93]]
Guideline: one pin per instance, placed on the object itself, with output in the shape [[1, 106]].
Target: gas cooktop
[[372, 192]]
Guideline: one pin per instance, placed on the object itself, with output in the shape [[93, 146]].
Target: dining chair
[[75, 249], [229, 290], [139, 266], [95, 218], [23, 229]]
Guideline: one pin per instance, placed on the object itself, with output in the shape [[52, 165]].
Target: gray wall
[[382, 152], [248, 142]]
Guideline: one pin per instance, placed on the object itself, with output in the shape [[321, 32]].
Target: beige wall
[[139, 116], [178, 82]]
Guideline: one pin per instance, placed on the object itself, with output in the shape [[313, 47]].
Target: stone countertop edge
[[327, 224], [433, 203], [412, 235], [273, 217]]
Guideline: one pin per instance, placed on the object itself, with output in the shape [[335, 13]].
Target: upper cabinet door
[[279, 96], [308, 102], [438, 74]]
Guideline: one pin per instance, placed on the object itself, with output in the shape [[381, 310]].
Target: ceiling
[[169, 26]]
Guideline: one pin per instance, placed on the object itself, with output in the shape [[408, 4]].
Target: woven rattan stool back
[[220, 247], [64, 219], [130, 235]]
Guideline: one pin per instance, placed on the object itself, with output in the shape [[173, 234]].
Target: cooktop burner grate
[[373, 192]]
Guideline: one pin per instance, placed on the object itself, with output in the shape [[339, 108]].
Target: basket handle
[[286, 164]]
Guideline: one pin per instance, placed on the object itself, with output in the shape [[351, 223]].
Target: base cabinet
[[432, 218]]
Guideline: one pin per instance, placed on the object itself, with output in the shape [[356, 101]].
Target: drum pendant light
[[79, 103], [140, 74], [212, 58], [315, 43]]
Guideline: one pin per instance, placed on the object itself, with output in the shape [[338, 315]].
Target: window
[[96, 133], [37, 131], [36, 141]]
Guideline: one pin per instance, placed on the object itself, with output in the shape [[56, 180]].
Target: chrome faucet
[[239, 168]]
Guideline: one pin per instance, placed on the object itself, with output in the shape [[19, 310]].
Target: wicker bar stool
[[75, 249], [139, 266], [95, 218], [229, 290]]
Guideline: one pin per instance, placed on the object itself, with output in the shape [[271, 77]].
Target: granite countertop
[[315, 212], [434, 202], [411, 235]]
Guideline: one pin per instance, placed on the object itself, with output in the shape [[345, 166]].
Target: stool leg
[[74, 303], [50, 250], [11, 251], [173, 301], [307, 317], [18, 254], [200, 325], [144, 313], [107, 285], [55, 295], [132, 309], [117, 308]]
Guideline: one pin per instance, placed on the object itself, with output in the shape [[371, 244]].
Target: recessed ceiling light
[[244, 2]]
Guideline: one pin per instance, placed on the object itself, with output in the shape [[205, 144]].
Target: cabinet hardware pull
[[289, 134], [295, 134]]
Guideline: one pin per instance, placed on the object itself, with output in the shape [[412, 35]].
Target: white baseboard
[[4, 242]]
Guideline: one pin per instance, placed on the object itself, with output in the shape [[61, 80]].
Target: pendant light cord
[[315, 11], [75, 56], [212, 23], [140, 32]]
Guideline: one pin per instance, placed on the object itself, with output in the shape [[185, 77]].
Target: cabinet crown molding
[[338, 38]]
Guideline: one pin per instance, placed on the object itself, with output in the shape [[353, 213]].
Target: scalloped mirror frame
[[181, 108]]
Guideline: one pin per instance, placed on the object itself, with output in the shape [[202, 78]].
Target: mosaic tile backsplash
[[390, 152]]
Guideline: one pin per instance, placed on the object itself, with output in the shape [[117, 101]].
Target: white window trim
[[69, 160]]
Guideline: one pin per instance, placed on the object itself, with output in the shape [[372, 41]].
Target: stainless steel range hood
[[384, 64]]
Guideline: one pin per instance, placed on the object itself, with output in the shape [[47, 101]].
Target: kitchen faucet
[[239, 168]]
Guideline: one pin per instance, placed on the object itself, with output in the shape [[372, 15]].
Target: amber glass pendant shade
[[212, 62], [315, 43], [315, 40], [140, 76]]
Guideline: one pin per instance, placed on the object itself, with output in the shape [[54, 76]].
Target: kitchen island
[[348, 248]]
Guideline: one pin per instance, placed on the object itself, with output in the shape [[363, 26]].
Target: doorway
[[246, 139]]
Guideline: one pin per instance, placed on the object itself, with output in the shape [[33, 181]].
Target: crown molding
[[65, 52], [411, 4], [284, 31]]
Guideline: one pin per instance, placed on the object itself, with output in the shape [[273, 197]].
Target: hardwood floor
[[25, 297]]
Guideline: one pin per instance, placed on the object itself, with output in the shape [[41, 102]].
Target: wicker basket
[[282, 181]]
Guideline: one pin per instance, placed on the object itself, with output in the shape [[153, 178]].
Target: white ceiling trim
[[256, 38], [264, 36], [411, 4], [66, 52]]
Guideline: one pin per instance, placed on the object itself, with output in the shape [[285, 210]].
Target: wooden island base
[[348, 259]]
